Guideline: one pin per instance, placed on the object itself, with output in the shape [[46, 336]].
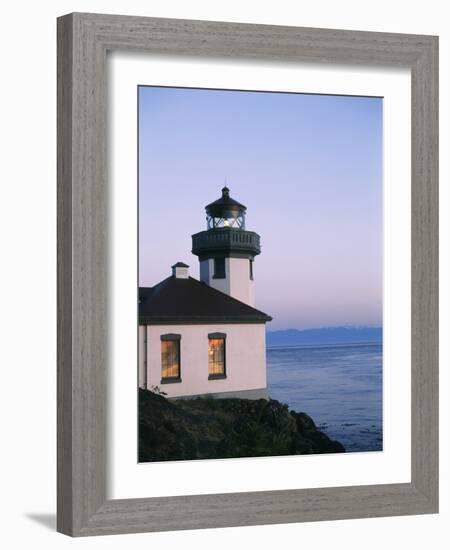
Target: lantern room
[[225, 212]]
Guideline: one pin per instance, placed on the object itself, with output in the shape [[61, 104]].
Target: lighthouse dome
[[225, 212]]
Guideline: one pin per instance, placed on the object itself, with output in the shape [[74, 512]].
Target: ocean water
[[340, 386]]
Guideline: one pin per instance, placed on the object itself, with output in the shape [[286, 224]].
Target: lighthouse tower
[[226, 251]]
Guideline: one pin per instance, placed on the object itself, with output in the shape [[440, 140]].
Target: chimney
[[180, 271]]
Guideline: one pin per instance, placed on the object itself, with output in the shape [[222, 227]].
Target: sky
[[308, 168]]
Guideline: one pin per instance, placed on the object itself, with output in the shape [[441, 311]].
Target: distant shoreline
[[330, 336], [327, 344]]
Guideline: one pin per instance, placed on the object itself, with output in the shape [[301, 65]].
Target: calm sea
[[339, 386]]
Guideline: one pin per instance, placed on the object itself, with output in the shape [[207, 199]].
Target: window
[[251, 269], [233, 221], [219, 268], [216, 355], [170, 358]]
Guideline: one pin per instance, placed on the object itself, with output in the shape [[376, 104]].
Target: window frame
[[215, 275], [171, 338], [218, 336]]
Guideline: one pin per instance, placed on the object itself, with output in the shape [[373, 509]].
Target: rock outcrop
[[187, 429]]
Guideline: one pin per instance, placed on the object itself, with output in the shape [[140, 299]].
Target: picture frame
[[83, 41]]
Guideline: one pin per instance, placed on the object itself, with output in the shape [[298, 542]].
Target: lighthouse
[[226, 250], [206, 338]]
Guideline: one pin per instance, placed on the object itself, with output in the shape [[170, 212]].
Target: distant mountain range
[[328, 335]]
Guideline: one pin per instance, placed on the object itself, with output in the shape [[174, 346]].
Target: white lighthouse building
[[199, 338]]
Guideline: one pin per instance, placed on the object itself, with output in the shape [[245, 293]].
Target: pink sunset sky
[[309, 170]]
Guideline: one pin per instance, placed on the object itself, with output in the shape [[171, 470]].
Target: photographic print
[[260, 273]]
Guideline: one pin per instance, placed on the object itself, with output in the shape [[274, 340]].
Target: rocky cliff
[[224, 428]]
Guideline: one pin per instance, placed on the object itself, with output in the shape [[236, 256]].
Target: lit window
[[233, 221], [170, 358], [216, 355]]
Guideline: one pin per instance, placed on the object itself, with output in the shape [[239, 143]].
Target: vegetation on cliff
[[187, 429]]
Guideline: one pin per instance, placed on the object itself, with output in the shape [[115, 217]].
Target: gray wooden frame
[[83, 40]]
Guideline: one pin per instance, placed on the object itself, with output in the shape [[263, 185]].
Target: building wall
[[207, 276], [237, 282], [245, 359], [241, 286]]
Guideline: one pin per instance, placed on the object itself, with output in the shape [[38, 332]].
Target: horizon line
[[328, 327]]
